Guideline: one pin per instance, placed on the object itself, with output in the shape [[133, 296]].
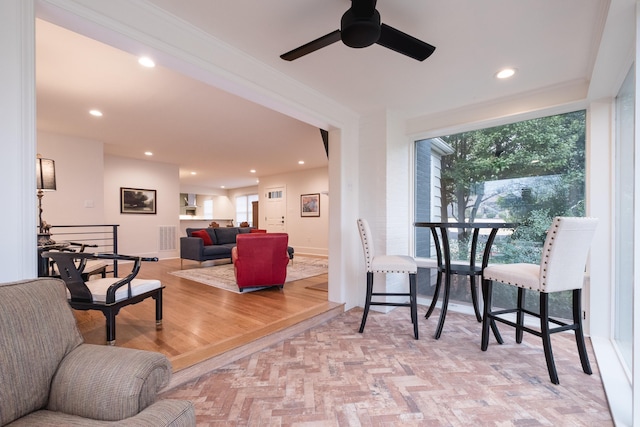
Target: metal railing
[[98, 238]]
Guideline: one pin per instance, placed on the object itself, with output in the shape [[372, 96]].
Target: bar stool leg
[[414, 303], [546, 337], [367, 303], [520, 315], [577, 320], [486, 318]]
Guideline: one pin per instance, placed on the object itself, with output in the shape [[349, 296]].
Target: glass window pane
[[244, 208], [208, 208], [624, 227], [526, 172]]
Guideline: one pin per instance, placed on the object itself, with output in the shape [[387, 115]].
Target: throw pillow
[[204, 236]]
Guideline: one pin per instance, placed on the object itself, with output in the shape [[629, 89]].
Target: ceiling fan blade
[[312, 46], [404, 43]]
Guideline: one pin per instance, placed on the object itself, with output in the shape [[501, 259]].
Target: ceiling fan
[[360, 26]]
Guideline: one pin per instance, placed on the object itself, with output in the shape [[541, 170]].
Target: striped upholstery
[[37, 331], [56, 379]]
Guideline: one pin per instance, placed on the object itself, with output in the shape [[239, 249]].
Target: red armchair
[[260, 259]]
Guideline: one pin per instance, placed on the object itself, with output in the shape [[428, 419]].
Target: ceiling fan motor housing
[[361, 26], [359, 31]]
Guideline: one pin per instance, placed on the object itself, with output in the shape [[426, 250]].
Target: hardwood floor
[[201, 322]]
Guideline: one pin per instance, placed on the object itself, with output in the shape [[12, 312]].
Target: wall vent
[[167, 238]]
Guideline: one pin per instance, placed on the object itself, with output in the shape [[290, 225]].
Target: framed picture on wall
[[310, 204], [137, 201]]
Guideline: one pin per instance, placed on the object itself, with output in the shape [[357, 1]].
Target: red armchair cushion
[[204, 236], [257, 230], [260, 259]]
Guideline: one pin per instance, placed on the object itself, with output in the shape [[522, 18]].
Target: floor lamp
[[45, 181]]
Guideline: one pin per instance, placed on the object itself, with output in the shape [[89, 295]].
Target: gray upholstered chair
[[561, 268], [387, 264], [50, 377]]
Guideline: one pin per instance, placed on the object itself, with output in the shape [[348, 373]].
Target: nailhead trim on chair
[[562, 271], [394, 261], [553, 231]]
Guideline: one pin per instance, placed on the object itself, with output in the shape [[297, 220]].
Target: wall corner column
[[17, 132]]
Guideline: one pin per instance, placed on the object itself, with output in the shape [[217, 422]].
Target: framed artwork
[[137, 201], [310, 204]]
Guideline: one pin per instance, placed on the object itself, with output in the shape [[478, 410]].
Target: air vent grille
[[167, 238]]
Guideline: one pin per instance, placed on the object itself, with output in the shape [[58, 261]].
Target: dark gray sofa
[[223, 238]]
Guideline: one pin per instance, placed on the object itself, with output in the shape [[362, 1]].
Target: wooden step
[[190, 366]]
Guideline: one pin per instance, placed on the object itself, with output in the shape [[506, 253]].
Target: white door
[[274, 210]]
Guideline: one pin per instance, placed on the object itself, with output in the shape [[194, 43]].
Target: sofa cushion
[[99, 287], [38, 330], [212, 235], [203, 235], [209, 231], [243, 230], [226, 235], [216, 251]]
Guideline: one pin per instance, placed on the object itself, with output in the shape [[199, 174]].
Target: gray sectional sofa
[[223, 239]]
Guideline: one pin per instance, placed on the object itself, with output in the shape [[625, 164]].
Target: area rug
[[223, 277]]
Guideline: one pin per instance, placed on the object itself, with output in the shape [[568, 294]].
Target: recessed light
[[194, 173], [301, 162], [145, 61], [252, 171], [148, 153], [95, 113], [222, 186], [505, 73]]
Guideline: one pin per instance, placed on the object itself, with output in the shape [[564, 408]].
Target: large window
[[624, 219], [526, 172], [244, 208]]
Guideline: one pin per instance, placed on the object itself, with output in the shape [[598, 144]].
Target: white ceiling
[[221, 137]]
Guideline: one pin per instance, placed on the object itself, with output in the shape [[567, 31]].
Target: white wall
[[307, 235], [139, 234], [88, 192], [223, 207], [18, 217], [385, 192], [79, 197]]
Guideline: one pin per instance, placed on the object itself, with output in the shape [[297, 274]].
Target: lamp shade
[[45, 174]]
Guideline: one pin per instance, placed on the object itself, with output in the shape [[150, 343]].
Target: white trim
[[17, 132], [440, 148], [131, 26], [616, 386]]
